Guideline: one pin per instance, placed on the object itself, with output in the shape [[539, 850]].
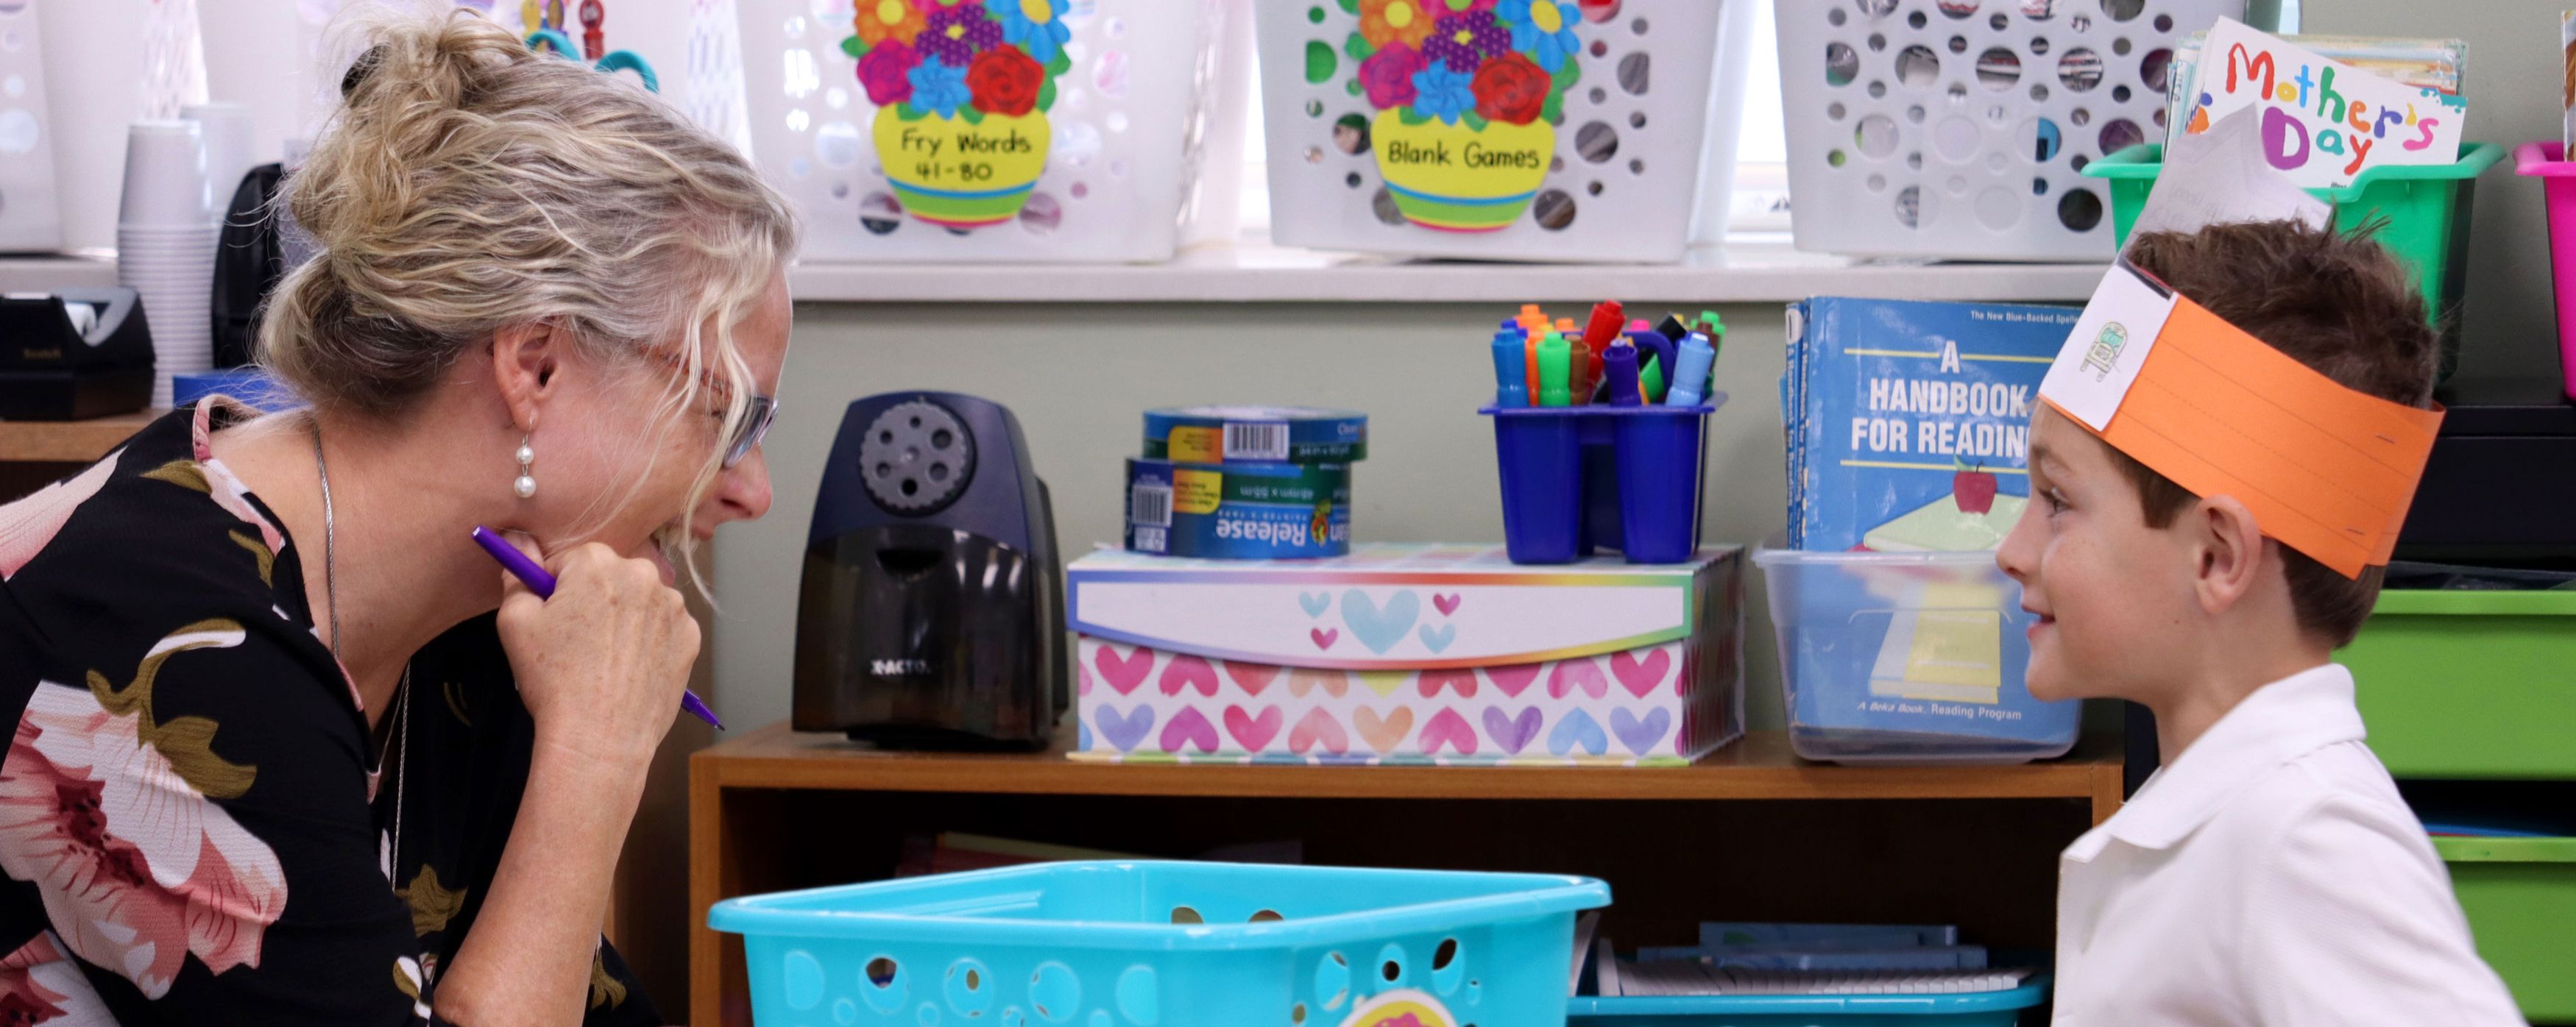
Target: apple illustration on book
[[1973, 488]]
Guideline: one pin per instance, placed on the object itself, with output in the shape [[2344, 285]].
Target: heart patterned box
[[1407, 654]]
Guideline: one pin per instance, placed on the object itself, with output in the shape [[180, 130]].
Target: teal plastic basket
[[1146, 944], [1973, 1009]]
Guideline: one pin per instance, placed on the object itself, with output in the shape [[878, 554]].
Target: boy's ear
[[2228, 546]]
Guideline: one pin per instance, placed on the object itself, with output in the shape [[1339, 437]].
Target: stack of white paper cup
[[165, 243], [230, 151]]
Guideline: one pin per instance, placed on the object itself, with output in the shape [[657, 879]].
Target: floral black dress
[[196, 826]]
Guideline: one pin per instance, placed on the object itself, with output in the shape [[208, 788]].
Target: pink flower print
[[137, 868], [1388, 76], [886, 72], [42, 987], [29, 524]]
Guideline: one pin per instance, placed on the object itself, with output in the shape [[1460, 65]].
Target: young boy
[[2269, 873]]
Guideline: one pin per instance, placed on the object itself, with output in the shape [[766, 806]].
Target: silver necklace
[[401, 741]]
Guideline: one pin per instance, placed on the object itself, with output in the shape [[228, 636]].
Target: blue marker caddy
[[1581, 479]]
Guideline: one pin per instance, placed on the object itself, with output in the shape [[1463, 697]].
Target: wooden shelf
[[1760, 766], [772, 809], [69, 442]]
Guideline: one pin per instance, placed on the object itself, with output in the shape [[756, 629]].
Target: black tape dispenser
[[72, 354]]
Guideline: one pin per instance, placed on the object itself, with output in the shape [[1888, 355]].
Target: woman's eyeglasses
[[754, 427], [755, 422]]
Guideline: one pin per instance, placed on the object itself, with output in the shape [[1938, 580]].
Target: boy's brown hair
[[2338, 303]]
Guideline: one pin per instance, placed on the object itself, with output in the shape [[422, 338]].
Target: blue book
[[1908, 422]]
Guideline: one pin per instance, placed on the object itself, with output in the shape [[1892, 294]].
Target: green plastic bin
[[2469, 685], [2520, 894], [2427, 207]]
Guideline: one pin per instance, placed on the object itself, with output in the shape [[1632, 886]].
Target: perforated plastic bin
[[1641, 123], [1143, 944], [1132, 149], [1958, 128]]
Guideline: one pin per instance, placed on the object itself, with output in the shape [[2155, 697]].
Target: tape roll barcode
[[1238, 511], [1225, 434]]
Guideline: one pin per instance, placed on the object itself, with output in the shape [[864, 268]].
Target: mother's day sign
[[2323, 122]]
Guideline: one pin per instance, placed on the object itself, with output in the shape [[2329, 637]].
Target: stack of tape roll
[[1245, 483]]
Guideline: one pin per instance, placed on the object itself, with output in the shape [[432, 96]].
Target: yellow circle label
[[1039, 11], [1399, 14], [890, 11], [1405, 1008]]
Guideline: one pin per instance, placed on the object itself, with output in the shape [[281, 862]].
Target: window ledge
[[1759, 271]]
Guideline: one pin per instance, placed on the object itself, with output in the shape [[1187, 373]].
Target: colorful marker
[[1690, 372], [1579, 376], [1672, 327], [1554, 390], [1650, 379], [1715, 328], [1619, 362], [543, 584], [1511, 373], [1533, 325], [1603, 327], [1654, 349]]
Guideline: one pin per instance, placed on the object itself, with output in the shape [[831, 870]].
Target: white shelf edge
[[1747, 273], [1764, 272]]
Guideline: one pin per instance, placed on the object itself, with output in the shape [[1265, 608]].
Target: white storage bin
[[1957, 128], [1613, 176], [1138, 154], [1908, 658]]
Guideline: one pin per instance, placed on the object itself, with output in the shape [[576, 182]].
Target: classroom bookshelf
[[1750, 831]]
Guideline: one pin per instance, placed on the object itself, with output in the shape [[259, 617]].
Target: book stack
[[1805, 959]]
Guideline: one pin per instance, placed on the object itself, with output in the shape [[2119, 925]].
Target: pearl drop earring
[[526, 484]]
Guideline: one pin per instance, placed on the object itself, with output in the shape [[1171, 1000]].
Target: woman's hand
[[601, 664]]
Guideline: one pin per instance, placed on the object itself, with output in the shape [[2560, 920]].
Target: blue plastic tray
[[1142, 944], [1976, 1009]]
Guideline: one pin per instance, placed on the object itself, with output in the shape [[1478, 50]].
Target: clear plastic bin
[[1908, 658]]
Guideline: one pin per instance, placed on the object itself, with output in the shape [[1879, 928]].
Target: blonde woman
[[289, 749]]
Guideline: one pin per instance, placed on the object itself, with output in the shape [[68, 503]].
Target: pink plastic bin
[[2558, 179]]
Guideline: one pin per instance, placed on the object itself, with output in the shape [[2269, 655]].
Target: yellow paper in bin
[[1948, 650]]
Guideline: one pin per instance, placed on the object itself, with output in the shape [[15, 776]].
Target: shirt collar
[[2279, 722]]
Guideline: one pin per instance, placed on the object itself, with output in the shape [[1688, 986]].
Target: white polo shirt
[[2269, 875]]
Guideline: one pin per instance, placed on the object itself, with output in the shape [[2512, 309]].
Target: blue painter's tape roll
[[1239, 511], [1226, 434]]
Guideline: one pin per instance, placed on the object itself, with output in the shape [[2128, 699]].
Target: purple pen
[[543, 584]]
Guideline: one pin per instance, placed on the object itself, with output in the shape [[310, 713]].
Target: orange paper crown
[[2327, 470]]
